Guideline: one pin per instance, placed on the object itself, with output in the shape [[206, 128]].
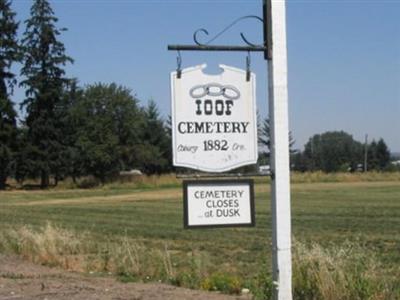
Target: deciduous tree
[[333, 151], [107, 121]]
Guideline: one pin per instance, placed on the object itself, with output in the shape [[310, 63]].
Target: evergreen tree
[[68, 161], [378, 155], [9, 53], [383, 154], [154, 151], [373, 163], [168, 142], [264, 136], [44, 60], [24, 158]]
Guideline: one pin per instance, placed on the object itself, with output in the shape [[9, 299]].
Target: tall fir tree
[[373, 162], [378, 155], [383, 154], [44, 80], [69, 161], [154, 152], [264, 137], [9, 53]]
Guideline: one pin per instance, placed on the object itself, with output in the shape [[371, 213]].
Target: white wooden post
[[279, 134]]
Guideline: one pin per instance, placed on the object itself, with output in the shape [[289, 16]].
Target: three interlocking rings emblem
[[214, 90]]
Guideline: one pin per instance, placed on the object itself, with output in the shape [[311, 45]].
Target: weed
[[223, 282], [49, 245], [125, 278], [10, 275], [345, 272], [262, 285]]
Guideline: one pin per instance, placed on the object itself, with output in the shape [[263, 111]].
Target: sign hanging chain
[[179, 65], [248, 62]]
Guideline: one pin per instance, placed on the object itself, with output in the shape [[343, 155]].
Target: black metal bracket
[[265, 47]]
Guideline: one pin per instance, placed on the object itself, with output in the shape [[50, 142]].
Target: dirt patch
[[23, 280]]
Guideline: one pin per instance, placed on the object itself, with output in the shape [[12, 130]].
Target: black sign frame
[[187, 183]]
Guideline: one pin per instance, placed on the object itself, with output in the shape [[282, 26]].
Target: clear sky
[[344, 56]]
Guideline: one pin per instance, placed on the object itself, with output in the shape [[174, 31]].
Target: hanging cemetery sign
[[218, 203], [214, 126]]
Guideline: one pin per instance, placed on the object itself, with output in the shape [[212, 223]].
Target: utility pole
[[366, 153], [279, 132]]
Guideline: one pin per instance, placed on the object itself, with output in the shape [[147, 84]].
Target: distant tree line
[[332, 151], [101, 129], [337, 151]]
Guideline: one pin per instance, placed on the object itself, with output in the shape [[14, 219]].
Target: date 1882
[[216, 145]]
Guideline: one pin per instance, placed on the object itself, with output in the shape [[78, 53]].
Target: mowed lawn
[[365, 213]]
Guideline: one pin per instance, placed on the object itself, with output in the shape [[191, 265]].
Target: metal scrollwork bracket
[[247, 47]]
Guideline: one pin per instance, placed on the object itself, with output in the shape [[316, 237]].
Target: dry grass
[[170, 180], [55, 246], [145, 195], [145, 181], [345, 272], [49, 245], [296, 177], [309, 177]]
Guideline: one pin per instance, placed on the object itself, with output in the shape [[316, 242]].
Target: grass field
[[365, 215]]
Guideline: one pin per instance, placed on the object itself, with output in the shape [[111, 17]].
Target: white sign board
[[219, 203], [214, 123]]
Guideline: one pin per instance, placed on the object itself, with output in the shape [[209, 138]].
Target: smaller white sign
[[218, 203]]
